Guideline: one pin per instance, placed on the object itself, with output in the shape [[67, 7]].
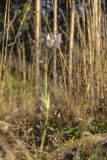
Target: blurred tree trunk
[[55, 32], [97, 44], [37, 41], [71, 45]]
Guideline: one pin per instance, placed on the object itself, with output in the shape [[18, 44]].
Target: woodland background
[[53, 100]]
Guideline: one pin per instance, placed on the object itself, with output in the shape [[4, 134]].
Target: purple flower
[[55, 44], [48, 43], [54, 40], [48, 40], [57, 40]]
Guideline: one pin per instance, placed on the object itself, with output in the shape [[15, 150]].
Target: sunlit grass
[[60, 119]]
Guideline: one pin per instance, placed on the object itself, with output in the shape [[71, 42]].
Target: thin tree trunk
[[97, 42], [55, 32], [71, 44], [37, 41]]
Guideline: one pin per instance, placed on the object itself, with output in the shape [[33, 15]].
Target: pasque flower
[[54, 40]]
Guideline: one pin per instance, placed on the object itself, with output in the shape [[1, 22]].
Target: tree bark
[[97, 44], [71, 45], [55, 32], [37, 41]]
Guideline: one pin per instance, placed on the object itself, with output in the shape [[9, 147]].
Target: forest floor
[[72, 132]]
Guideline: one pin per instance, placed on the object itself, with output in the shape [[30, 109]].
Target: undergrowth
[[58, 112]]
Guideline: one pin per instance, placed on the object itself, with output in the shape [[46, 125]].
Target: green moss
[[72, 132], [99, 156], [99, 126]]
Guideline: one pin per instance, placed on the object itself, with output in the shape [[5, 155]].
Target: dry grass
[[72, 105]]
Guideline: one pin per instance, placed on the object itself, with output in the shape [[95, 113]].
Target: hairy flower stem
[[47, 102]]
